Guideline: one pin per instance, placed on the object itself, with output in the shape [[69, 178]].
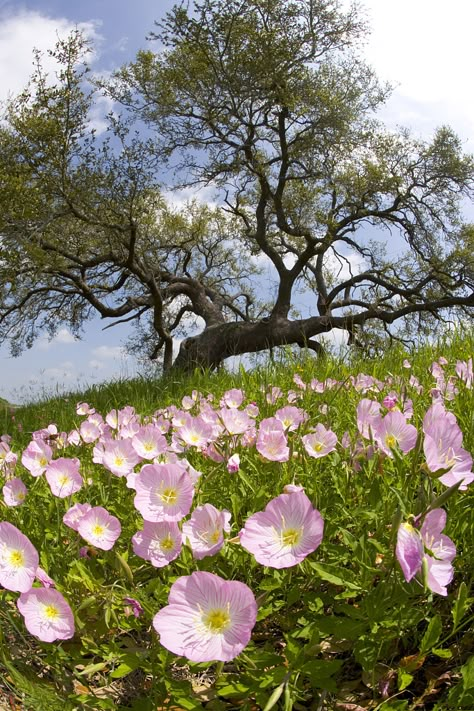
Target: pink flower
[[291, 417], [233, 464], [134, 606], [160, 542], [63, 477], [282, 535], [89, 431], [47, 614], [120, 457], [149, 442], [367, 412], [232, 398], [207, 618], [205, 530], [43, 577], [235, 421], [393, 431], [164, 492], [73, 515], [18, 559], [271, 441], [99, 528], [427, 545], [14, 492], [320, 442], [195, 432], [36, 457]]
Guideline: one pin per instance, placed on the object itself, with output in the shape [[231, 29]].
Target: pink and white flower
[[207, 618], [164, 492], [72, 517], [205, 530], [287, 531], [149, 442], [320, 442], [14, 492], [46, 613], [63, 477], [18, 559], [120, 457], [36, 457], [393, 431], [158, 542], [99, 528], [427, 545]]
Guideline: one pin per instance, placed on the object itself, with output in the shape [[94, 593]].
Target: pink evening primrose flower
[[282, 535], [159, 542], [233, 464], [149, 442], [367, 412], [207, 618], [43, 577], [36, 457], [164, 492], [73, 515], [99, 528], [47, 615], [63, 477], [320, 442], [271, 441], [427, 545], [18, 559], [205, 530], [393, 431], [119, 456], [14, 492]]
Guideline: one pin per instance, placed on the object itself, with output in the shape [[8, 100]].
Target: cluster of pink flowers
[[208, 618], [47, 614]]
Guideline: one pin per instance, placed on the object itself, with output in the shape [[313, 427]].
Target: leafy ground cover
[[295, 537]]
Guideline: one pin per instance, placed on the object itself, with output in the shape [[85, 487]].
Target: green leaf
[[460, 606], [273, 700], [337, 576], [467, 671], [432, 634], [404, 679], [442, 653]]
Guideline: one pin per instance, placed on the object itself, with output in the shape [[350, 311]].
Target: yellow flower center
[[63, 479], [43, 461], [17, 559], [51, 612], [97, 530], [148, 446], [169, 496], [119, 461], [217, 621], [291, 536], [317, 447], [167, 543], [214, 536], [390, 441]]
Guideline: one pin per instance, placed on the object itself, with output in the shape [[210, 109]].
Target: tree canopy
[[268, 105]]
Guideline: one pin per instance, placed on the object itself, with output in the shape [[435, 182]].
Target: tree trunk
[[216, 343]]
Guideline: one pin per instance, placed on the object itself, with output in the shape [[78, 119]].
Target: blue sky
[[421, 46]]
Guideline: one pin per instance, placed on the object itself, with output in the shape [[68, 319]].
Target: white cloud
[[424, 49], [62, 337], [19, 34], [109, 352]]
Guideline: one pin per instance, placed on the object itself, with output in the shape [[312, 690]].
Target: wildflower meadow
[[296, 537]]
